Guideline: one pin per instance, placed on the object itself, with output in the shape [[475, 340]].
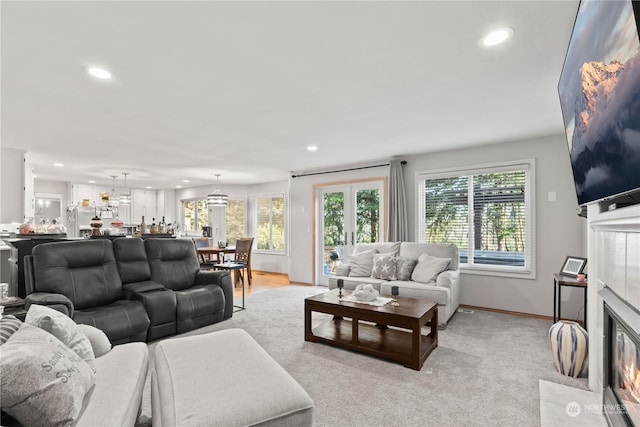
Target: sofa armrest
[[141, 287], [56, 301], [448, 278], [221, 278]]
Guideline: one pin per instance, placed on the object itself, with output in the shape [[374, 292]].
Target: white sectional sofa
[[433, 277]]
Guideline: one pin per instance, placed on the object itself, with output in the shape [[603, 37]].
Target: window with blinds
[[486, 212], [270, 223]]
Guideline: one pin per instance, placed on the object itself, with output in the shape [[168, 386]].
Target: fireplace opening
[[622, 374]]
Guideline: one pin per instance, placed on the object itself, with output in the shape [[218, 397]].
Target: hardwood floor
[[262, 280]]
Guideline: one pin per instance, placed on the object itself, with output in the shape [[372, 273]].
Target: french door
[[346, 214]]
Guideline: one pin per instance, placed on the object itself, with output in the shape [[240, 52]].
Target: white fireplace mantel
[[614, 262]]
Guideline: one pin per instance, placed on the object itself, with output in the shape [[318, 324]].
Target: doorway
[[346, 214]]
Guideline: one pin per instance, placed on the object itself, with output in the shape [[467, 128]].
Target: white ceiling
[[242, 88]]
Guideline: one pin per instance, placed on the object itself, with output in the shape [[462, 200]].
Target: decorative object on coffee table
[[394, 292], [569, 347], [340, 286]]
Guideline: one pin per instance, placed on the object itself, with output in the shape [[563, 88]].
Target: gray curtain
[[398, 223]]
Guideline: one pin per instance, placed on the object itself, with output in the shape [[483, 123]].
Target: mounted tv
[[599, 92]]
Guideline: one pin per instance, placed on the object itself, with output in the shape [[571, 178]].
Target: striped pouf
[[569, 347]]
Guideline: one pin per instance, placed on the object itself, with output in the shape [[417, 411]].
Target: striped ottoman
[[224, 379]]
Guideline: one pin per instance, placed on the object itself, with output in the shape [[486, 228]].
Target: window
[[269, 222], [487, 212], [195, 213], [235, 220]]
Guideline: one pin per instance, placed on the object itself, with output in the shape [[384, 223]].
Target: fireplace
[[621, 361]]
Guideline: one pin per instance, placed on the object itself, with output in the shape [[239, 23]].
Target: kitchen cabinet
[[143, 202]]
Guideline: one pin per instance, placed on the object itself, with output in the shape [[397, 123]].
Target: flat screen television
[[599, 92]]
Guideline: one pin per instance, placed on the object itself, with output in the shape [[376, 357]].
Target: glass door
[[347, 214]]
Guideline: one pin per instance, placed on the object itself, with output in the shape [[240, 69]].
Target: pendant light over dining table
[[217, 198], [125, 198]]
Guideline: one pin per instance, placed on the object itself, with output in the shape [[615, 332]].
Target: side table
[[14, 306], [235, 267], [559, 281]]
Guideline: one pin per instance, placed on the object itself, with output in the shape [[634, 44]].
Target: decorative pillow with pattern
[[404, 267], [361, 263], [428, 268], [63, 328], [384, 266], [8, 326], [43, 382]]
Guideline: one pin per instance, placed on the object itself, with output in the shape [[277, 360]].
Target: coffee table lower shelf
[[376, 340]]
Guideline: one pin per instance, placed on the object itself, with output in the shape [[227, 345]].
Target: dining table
[[218, 251]]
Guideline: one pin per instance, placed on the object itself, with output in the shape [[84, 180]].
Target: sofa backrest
[[382, 247], [84, 271], [173, 262], [131, 259], [441, 250]]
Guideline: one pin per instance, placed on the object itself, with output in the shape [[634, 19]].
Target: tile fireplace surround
[[614, 265]]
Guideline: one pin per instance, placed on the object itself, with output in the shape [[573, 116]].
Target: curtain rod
[[404, 162]]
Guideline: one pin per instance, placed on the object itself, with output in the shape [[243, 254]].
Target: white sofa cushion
[[440, 250], [361, 263], [381, 247], [428, 268]]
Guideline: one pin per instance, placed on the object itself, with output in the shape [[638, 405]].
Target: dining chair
[[243, 256], [205, 259]]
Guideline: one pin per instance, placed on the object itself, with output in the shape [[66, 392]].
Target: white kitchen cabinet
[[143, 202]]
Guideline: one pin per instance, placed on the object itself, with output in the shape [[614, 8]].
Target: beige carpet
[[485, 371]]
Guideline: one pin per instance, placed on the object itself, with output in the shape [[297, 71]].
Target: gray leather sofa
[[133, 290]]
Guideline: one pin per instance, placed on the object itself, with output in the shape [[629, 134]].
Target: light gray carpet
[[484, 372]]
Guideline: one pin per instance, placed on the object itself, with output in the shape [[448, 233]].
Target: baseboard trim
[[270, 272], [515, 313], [293, 282]]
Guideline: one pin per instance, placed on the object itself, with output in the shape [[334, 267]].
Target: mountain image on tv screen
[[600, 98]]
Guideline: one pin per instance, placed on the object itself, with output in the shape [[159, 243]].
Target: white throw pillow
[[63, 328], [428, 268], [43, 382], [384, 266], [361, 263], [99, 341]]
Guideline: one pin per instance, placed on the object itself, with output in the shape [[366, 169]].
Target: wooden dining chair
[[243, 256], [205, 259]]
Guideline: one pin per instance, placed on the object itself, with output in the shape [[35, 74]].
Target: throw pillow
[[63, 328], [8, 326], [99, 341], [43, 382], [361, 263], [404, 267], [428, 268], [384, 266]]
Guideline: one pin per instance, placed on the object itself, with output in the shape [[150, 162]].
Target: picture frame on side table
[[573, 266]]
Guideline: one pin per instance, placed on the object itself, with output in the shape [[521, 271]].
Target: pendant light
[[217, 198], [125, 198], [113, 200]]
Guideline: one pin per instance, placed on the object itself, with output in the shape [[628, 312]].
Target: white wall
[[12, 186]]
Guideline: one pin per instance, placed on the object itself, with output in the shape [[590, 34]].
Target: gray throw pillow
[[428, 268], [404, 267], [43, 382], [63, 328], [361, 263], [8, 326], [384, 266]]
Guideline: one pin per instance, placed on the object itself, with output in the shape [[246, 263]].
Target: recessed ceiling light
[[498, 36], [99, 73], [148, 187], [178, 186], [91, 181], [312, 148], [58, 165], [185, 180]]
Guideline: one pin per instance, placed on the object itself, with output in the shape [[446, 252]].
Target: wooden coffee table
[[388, 332]]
